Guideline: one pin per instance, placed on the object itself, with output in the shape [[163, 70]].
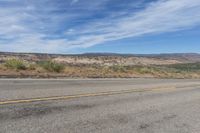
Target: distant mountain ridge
[[107, 54]]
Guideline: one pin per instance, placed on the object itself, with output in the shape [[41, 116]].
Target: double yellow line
[[16, 101]]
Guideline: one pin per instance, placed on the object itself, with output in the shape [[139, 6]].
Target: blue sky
[[117, 26]]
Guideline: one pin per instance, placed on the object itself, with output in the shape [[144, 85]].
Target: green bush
[[118, 68], [15, 64], [190, 67], [52, 66]]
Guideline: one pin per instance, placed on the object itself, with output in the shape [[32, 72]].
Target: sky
[[103, 26]]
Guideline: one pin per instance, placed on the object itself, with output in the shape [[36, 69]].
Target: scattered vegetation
[[32, 66], [52, 66], [54, 69], [190, 67], [118, 68], [15, 64]]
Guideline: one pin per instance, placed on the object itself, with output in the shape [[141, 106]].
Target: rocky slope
[[106, 59]]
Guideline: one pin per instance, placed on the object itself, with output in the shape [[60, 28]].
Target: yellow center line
[[15, 101]]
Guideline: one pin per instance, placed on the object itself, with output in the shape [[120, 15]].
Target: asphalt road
[[100, 106]]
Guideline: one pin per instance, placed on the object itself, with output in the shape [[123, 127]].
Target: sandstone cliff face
[[115, 60]]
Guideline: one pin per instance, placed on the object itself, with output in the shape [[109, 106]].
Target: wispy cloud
[[74, 1], [33, 29]]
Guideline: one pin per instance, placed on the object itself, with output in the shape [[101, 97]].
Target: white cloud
[[158, 17], [74, 1]]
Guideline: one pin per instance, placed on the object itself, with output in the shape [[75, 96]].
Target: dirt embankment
[[98, 66]]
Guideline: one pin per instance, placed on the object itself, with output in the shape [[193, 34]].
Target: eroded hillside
[[99, 65]]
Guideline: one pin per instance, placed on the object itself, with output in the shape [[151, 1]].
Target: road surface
[[100, 106]]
